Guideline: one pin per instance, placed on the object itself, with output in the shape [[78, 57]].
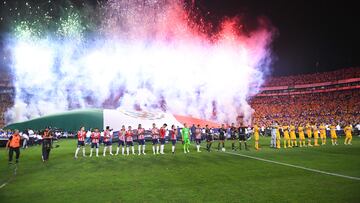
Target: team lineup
[[236, 134]]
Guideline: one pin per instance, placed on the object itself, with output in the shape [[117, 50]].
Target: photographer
[[46, 144]]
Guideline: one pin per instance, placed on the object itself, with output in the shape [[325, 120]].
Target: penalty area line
[[295, 166]]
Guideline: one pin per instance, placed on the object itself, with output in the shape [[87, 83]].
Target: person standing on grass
[[107, 142], [95, 138], [242, 136], [192, 130], [323, 134], [129, 141], [121, 135], [46, 144], [286, 137], [309, 134], [155, 139], [233, 136], [222, 132], [173, 136], [273, 135], [81, 135], [185, 133], [141, 139], [333, 134], [301, 136], [348, 134], [209, 138], [256, 136], [316, 135], [162, 138], [293, 136], [198, 138], [13, 145]]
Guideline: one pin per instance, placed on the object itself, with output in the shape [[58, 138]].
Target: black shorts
[[129, 143], [173, 142], [155, 141], [162, 141], [94, 145], [233, 137], [121, 142], [242, 137], [222, 137], [81, 143], [141, 142], [198, 141]]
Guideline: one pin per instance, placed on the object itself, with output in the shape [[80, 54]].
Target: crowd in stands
[[340, 107], [341, 74]]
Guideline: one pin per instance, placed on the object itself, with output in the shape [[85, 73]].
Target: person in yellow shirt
[[286, 136], [348, 135], [256, 136], [323, 134], [301, 136], [293, 136], [278, 139], [308, 133], [333, 134], [316, 135]]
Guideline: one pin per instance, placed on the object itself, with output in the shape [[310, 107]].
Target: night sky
[[310, 36]]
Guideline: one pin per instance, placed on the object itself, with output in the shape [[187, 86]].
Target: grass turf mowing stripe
[[13, 176], [294, 166]]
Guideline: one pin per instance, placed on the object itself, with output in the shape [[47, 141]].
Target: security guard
[[46, 144], [13, 145]]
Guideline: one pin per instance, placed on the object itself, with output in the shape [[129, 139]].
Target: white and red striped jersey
[[198, 133], [95, 137], [155, 133], [107, 136], [140, 133], [122, 135], [162, 133], [173, 134], [81, 135], [129, 135]]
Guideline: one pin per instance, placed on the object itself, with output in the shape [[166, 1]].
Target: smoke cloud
[[151, 55]]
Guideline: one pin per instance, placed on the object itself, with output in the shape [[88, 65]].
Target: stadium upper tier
[[344, 79]]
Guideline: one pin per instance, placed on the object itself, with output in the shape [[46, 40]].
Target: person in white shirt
[[25, 140]]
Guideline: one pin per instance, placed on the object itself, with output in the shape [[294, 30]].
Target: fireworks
[[149, 54]]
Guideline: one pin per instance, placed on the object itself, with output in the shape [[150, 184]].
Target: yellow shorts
[[333, 136]]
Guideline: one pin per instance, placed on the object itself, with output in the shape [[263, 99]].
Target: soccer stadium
[[179, 101]]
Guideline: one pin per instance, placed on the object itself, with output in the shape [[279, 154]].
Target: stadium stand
[[329, 97]]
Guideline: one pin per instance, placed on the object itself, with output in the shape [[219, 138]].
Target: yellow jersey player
[[316, 135], [308, 133], [256, 136], [286, 136], [293, 136], [278, 139], [333, 134], [323, 134], [348, 135], [301, 136]]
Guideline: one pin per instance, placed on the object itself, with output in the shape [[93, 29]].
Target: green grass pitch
[[194, 177]]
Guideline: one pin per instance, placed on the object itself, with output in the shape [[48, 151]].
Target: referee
[[242, 137]]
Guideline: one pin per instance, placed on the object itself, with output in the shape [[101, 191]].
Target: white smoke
[[160, 62]]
